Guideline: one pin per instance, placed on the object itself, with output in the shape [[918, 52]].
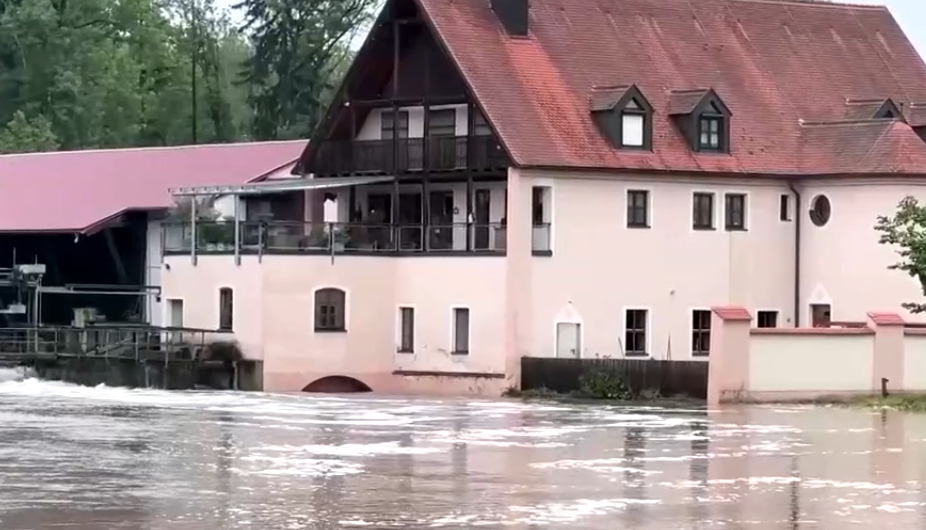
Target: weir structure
[[92, 351]]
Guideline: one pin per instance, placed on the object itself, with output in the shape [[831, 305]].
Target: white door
[[568, 340], [175, 319]]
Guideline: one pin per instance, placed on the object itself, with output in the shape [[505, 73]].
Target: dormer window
[[702, 118], [710, 130], [623, 116], [633, 125]]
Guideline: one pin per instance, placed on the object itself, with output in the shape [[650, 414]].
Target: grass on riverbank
[[904, 402]]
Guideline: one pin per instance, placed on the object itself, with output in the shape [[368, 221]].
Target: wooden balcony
[[406, 155]]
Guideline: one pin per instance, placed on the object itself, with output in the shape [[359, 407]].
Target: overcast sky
[[909, 13]]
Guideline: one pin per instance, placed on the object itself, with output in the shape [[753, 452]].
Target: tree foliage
[[906, 230], [298, 45], [77, 74]]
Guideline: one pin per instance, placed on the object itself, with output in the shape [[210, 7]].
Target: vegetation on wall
[[906, 230], [77, 74]]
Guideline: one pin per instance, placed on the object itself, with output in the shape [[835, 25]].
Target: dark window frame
[[406, 329], [461, 346], [784, 207], [481, 125], [767, 319], [700, 332], [699, 201], [330, 305], [714, 133], [226, 309], [636, 331], [735, 211], [637, 213], [442, 130], [538, 194], [386, 127]]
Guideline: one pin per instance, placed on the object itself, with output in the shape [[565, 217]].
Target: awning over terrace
[[280, 186]]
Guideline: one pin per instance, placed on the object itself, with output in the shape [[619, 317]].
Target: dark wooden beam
[[411, 101], [114, 254]]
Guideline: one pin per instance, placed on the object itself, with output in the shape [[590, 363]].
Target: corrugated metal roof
[[281, 185], [77, 190]]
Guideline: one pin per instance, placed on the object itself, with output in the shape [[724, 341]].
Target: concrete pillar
[[728, 375], [888, 355], [518, 316]]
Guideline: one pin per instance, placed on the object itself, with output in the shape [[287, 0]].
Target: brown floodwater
[[99, 458]]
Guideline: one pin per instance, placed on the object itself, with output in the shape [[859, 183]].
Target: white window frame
[[649, 332], [633, 114], [453, 330], [715, 211], [790, 213], [398, 329], [747, 206], [768, 310], [346, 306], [690, 328], [218, 314], [649, 207]]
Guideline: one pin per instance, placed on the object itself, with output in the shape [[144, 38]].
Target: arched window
[[330, 309], [226, 308]]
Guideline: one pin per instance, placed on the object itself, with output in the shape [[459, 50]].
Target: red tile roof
[[772, 62], [886, 319], [77, 190], [731, 313]]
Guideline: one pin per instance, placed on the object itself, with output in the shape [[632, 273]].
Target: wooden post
[[193, 228]]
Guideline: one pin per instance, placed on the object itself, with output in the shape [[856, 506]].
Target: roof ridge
[[850, 101], [683, 91], [846, 122], [820, 3], [151, 148]]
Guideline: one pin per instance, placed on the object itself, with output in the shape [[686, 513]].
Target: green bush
[[602, 384]]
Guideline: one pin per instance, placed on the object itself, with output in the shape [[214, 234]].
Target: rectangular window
[[480, 125], [635, 332], [710, 133], [387, 128], [637, 209], [700, 333], [226, 308], [703, 209], [406, 330], [784, 207], [460, 330], [735, 211], [767, 319], [632, 129], [537, 193], [442, 122]]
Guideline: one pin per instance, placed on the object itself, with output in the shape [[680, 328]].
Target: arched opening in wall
[[337, 384]]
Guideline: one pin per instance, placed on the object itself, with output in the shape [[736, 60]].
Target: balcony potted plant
[[339, 237]]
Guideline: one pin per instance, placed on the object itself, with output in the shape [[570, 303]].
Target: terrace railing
[[282, 237]]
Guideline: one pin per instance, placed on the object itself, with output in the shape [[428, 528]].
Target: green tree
[[298, 46], [906, 230], [22, 135]]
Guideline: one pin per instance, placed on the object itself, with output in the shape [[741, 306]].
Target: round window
[[820, 210]]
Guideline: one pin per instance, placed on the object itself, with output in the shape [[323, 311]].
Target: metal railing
[[109, 341], [295, 237]]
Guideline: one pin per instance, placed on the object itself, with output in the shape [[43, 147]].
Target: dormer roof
[[612, 97]]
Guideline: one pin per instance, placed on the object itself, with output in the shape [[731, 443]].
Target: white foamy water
[[95, 458]]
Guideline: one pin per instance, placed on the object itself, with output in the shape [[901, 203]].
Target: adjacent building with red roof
[[94, 217], [500, 178]]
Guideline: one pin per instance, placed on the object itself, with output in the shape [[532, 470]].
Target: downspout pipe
[[797, 253]]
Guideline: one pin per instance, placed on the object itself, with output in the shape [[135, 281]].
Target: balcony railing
[[335, 238], [445, 154]]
